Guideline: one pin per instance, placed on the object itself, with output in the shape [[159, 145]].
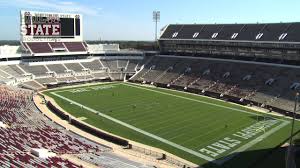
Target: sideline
[[257, 112], [77, 86], [191, 99], [87, 87]]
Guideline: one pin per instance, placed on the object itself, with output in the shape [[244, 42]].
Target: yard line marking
[[188, 125], [242, 148], [151, 113], [178, 135], [226, 133], [191, 99], [163, 126], [137, 129]]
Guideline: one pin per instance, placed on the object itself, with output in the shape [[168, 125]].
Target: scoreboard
[[50, 27]]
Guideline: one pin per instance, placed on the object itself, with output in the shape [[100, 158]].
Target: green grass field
[[202, 130]]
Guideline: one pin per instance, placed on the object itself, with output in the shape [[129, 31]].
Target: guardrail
[[86, 128]]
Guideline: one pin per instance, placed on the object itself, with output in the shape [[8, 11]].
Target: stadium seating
[[116, 76], [132, 65], [46, 80], [12, 70], [170, 30], [26, 160], [75, 46], [38, 70], [101, 75], [105, 160], [17, 69], [3, 74], [93, 65], [204, 74], [37, 47], [45, 47], [221, 76], [85, 77], [36, 77], [293, 32], [9, 71], [58, 68], [112, 65], [57, 46], [122, 63], [32, 85], [247, 32], [74, 66], [27, 128], [66, 79]]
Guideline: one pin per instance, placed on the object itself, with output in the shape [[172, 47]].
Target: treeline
[[9, 42], [138, 45]]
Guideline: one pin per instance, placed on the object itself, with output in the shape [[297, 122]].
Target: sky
[[132, 19]]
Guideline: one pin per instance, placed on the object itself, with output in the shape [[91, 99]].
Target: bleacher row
[[267, 84], [21, 134], [23, 160], [51, 47], [26, 129], [68, 72], [287, 32]]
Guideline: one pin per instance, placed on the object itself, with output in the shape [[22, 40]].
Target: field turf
[[205, 131]]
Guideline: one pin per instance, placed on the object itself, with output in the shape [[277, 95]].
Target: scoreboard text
[[45, 25]]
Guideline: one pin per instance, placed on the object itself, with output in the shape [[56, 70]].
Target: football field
[[196, 128]]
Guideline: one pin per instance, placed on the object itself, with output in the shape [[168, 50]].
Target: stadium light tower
[[156, 19]]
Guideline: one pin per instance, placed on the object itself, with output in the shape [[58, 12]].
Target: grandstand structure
[[36, 75], [248, 64], [28, 137], [274, 42], [25, 131], [244, 63]]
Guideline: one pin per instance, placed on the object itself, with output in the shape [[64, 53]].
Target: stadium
[[209, 95]]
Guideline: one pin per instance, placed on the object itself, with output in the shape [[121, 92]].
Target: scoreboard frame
[[50, 27]]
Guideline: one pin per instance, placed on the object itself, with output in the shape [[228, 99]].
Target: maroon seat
[[75, 46], [57, 45], [39, 47], [16, 140]]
